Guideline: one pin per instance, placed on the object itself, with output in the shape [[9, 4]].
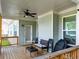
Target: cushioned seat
[[40, 45], [43, 44]]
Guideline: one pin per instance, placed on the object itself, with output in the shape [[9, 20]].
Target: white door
[[28, 33]]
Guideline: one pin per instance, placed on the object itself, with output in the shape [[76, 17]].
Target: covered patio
[[49, 24]]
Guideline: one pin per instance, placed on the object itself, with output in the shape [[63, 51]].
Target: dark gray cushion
[[61, 44], [44, 42]]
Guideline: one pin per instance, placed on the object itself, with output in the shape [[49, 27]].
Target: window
[[69, 29]]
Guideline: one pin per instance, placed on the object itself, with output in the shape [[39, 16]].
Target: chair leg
[[31, 54], [34, 54]]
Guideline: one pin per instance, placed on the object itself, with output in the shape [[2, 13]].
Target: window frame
[[63, 25]]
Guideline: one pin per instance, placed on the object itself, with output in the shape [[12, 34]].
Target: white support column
[[77, 26]]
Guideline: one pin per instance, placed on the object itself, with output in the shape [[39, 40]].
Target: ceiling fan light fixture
[[25, 16]]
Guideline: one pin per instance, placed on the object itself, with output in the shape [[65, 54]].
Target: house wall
[[37, 29], [23, 22], [55, 27], [45, 26], [48, 26]]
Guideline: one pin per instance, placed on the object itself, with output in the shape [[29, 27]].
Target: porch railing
[[12, 39], [70, 53]]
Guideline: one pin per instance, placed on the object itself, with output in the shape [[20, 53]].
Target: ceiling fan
[[27, 12]]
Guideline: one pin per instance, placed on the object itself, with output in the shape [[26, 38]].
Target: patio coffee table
[[32, 49]]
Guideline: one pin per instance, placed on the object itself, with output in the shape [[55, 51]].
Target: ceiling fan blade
[[31, 15], [34, 13]]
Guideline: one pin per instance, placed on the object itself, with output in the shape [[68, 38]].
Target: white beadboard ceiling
[[12, 8]]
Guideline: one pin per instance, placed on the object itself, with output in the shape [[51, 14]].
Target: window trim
[[62, 22]]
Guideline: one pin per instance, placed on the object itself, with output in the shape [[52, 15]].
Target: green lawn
[[5, 43]]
